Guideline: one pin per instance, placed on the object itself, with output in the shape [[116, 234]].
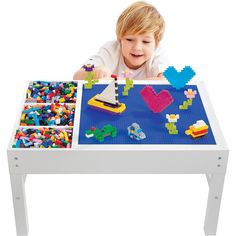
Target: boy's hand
[[101, 72], [80, 74], [158, 77]]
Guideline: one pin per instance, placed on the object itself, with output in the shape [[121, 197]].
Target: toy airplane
[[108, 99]]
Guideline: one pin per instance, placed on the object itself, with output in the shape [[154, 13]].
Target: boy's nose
[[137, 46]]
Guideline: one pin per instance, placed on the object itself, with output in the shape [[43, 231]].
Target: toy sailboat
[[108, 99]]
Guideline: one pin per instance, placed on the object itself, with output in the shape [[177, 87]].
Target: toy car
[[134, 131]]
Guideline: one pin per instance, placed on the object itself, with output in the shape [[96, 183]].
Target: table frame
[[210, 160]]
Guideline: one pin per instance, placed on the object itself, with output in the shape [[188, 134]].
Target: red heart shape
[[157, 102]]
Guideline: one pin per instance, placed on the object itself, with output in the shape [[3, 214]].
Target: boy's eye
[[146, 42], [129, 40]]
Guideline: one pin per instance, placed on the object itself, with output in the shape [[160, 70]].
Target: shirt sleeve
[[106, 56], [160, 61]]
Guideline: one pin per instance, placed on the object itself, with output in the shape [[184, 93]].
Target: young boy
[[139, 30]]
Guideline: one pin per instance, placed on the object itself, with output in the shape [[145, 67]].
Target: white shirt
[[111, 57]]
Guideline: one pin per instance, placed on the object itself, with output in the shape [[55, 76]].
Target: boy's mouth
[[136, 55]]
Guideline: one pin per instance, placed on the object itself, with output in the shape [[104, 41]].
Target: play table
[[159, 153]]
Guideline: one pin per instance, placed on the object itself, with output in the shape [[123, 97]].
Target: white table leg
[[18, 194], [213, 203]]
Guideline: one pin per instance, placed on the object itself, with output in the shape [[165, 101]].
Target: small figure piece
[[172, 119], [157, 102], [190, 94], [126, 73], [89, 68], [128, 82], [108, 99], [179, 79], [107, 130], [134, 131], [199, 129]]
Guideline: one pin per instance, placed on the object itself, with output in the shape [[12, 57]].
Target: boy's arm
[[80, 74], [158, 77], [102, 61], [99, 73], [159, 63]]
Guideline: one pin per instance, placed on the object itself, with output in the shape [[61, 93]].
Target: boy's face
[[137, 49]]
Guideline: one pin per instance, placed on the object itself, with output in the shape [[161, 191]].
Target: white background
[[42, 40]]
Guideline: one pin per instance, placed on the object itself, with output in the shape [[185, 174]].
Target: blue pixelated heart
[[179, 79]]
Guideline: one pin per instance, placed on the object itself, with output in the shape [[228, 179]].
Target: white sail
[[108, 94]]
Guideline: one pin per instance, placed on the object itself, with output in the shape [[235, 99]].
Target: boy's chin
[[132, 64], [137, 65]]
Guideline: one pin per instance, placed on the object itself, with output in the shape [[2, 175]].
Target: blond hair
[[140, 18]]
